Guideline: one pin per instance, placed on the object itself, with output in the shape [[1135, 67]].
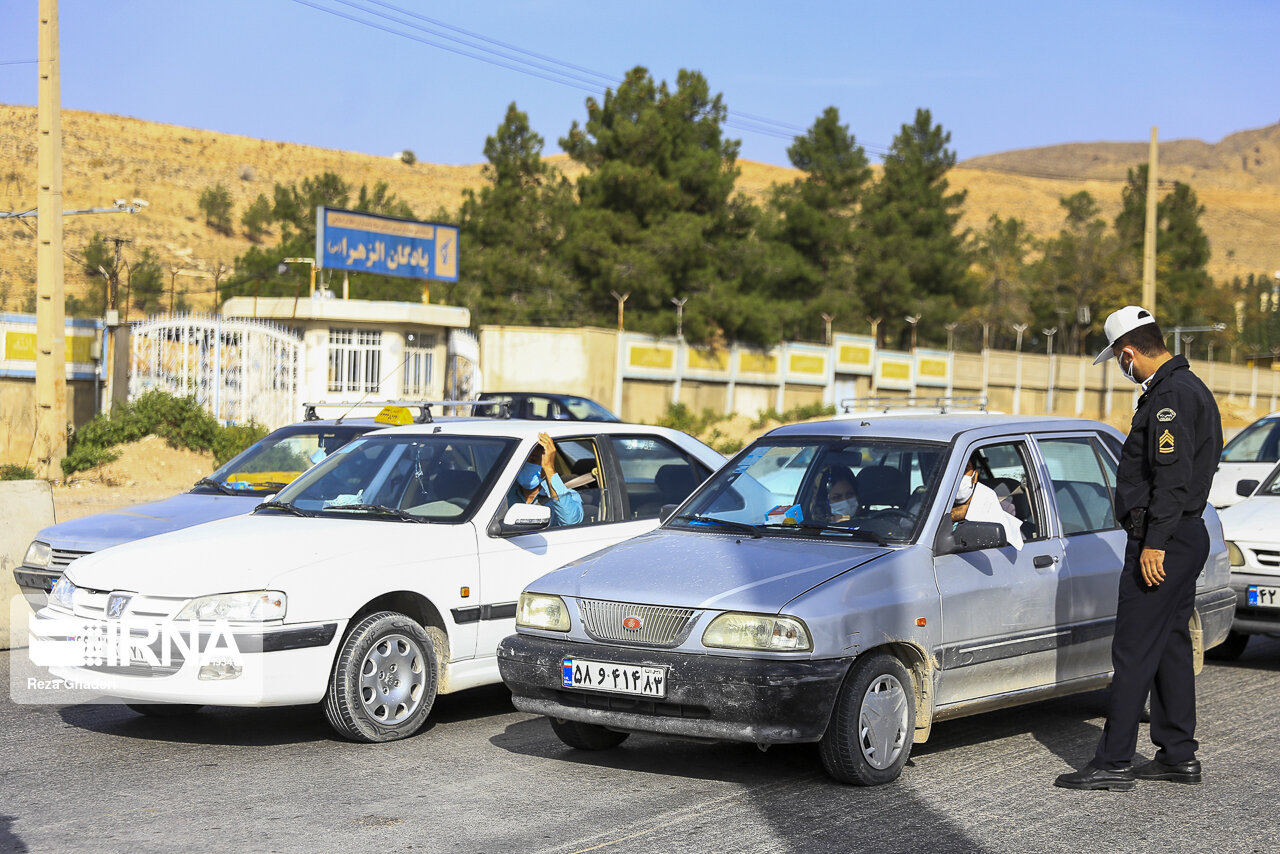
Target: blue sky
[[998, 75]]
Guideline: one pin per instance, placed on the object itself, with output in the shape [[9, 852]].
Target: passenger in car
[[841, 494], [977, 502], [538, 482]]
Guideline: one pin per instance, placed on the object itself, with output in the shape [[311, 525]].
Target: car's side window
[[1003, 468], [1082, 484], [654, 473], [578, 464]]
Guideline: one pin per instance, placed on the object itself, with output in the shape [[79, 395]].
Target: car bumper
[[1252, 619], [277, 665], [763, 701], [35, 584]]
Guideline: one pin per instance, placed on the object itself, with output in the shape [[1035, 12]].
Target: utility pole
[[51, 336], [1149, 239]]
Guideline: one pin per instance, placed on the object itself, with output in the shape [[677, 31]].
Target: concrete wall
[[18, 415], [26, 506]]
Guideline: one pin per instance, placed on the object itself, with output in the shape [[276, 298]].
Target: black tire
[[1230, 649], [873, 724], [384, 679], [582, 736], [165, 710]]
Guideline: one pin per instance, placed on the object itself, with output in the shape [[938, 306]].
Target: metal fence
[[239, 369]]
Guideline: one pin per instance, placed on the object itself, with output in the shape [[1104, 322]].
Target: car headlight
[[757, 631], [540, 611], [38, 554], [254, 606], [63, 593], [1233, 553]]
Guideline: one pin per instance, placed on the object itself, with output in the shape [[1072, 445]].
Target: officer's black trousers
[[1151, 651]]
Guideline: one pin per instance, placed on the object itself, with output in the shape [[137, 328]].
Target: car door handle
[[1042, 561]]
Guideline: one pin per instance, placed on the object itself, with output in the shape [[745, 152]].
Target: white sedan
[[1252, 531], [384, 576]]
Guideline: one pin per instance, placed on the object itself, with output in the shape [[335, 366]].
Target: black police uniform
[[1166, 467]]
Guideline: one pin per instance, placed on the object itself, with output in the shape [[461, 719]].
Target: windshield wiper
[[728, 523], [281, 505], [216, 484], [380, 509]]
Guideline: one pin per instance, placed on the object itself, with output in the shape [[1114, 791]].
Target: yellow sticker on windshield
[[1165, 443]]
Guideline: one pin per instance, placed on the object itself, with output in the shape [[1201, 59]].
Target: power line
[[482, 48]]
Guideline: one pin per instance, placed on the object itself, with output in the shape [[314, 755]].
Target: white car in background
[[1248, 456], [1252, 533], [383, 576]]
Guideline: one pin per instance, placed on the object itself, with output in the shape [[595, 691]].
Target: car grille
[[659, 626], [1267, 557], [62, 557]]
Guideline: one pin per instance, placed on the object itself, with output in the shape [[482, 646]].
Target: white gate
[[239, 369]]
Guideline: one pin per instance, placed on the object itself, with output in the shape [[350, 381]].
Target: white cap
[[1122, 322]]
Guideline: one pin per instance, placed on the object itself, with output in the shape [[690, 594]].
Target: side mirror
[[665, 513], [523, 518], [974, 536], [1245, 488]]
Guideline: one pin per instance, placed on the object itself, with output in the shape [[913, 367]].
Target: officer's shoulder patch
[[1165, 443], [1166, 414]]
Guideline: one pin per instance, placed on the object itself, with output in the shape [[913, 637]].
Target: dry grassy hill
[[108, 157]]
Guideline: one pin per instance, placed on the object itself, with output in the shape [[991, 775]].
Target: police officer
[[1166, 466]]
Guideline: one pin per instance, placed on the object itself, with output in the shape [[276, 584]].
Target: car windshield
[[586, 410], [860, 489], [274, 461], [415, 478], [1257, 443]]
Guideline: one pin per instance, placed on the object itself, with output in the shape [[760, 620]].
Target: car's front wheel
[[586, 736], [872, 727], [384, 680]]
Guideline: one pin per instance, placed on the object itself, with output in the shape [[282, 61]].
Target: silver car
[[757, 613]]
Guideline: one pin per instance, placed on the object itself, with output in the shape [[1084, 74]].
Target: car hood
[[1222, 491], [697, 570], [263, 552], [1253, 520], [102, 530]]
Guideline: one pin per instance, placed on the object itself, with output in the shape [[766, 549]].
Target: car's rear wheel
[[1230, 649], [165, 710], [873, 724], [586, 736], [384, 680]]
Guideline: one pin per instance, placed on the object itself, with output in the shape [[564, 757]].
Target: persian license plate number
[[634, 679], [1264, 597]]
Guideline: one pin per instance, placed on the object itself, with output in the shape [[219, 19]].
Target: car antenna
[[408, 340]]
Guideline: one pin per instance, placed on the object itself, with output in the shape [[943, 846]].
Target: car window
[[586, 410], [827, 486], [276, 459], [578, 464], [1083, 482], [1257, 443], [1003, 468], [430, 478], [654, 473]]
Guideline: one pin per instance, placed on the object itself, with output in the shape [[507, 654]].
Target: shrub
[[12, 472], [180, 421]]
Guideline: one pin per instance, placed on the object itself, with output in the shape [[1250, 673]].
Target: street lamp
[[310, 262], [1049, 333], [1017, 383], [913, 319], [679, 304]]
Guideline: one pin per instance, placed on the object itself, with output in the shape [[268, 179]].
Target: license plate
[[1264, 597], [615, 678]]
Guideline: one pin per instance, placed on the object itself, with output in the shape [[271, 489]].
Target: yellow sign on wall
[[807, 363], [21, 347], [750, 362], [701, 359], [654, 357]]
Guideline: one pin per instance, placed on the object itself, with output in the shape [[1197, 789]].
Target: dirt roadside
[[147, 470]]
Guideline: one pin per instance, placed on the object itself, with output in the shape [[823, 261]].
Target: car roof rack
[[423, 407], [941, 404]]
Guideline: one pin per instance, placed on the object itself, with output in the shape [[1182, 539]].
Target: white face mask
[[845, 507], [966, 490], [1128, 372]]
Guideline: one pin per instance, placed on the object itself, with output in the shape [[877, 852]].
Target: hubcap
[[392, 679], [882, 722]]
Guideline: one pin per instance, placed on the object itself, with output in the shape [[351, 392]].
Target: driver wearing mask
[[538, 483]]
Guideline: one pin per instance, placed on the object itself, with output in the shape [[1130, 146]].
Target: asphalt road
[[484, 777]]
